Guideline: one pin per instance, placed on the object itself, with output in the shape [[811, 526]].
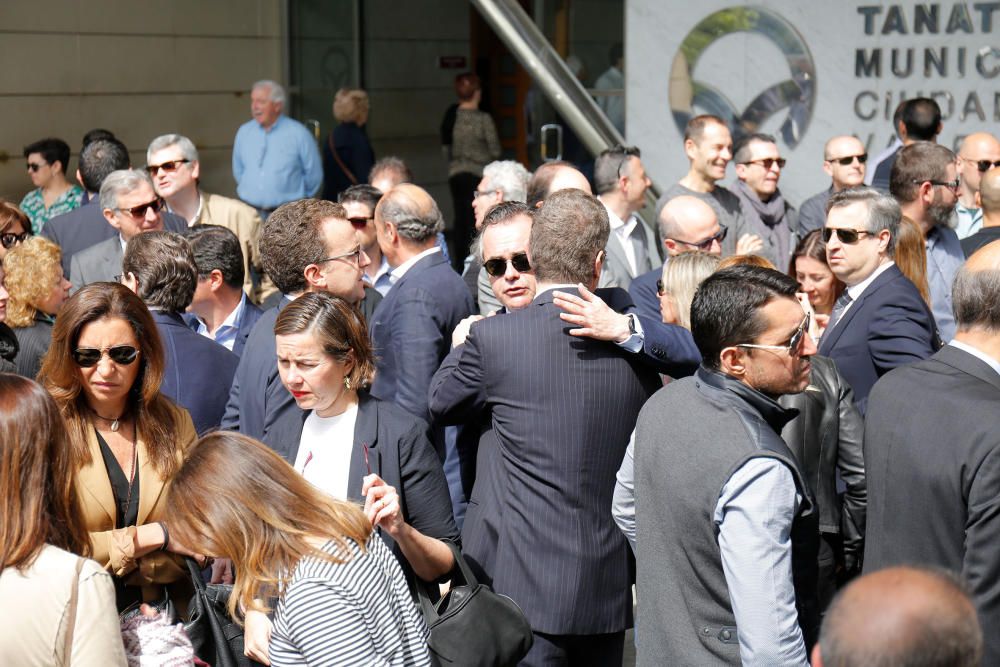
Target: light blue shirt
[[225, 335], [970, 220], [944, 258], [275, 166], [382, 281]]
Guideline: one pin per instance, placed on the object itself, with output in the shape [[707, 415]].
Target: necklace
[[114, 422]]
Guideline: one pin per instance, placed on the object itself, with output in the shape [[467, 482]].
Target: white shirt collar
[[859, 289], [977, 353], [401, 270]]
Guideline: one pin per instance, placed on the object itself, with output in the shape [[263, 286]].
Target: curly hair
[[350, 105], [30, 273]]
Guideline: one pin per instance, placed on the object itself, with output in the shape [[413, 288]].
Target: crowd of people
[[777, 423]]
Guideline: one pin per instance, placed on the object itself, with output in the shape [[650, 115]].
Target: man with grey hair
[[130, 205], [275, 158], [411, 328], [932, 447], [172, 163], [880, 321]]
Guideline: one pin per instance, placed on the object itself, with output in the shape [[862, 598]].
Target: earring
[[347, 383]]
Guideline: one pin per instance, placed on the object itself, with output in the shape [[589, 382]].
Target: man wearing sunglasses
[[844, 160], [727, 525], [988, 198], [880, 321], [360, 201], [172, 162], [925, 183], [766, 214], [978, 153]]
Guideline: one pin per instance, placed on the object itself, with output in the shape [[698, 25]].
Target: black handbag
[[216, 638], [473, 626]]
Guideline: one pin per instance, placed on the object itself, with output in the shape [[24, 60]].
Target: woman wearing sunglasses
[[15, 227], [127, 440]]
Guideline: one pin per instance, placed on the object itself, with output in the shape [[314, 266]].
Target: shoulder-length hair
[[36, 479], [681, 277], [350, 105], [339, 328], [30, 273], [811, 245], [910, 256], [235, 498], [9, 213], [155, 416]]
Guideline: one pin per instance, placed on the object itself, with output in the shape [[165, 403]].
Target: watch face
[[631, 323]]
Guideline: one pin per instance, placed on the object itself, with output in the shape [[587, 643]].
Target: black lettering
[[865, 115], [937, 60], [986, 10], [961, 61], [960, 19], [894, 21], [870, 12], [926, 18], [973, 105], [872, 66], [890, 108], [984, 53], [902, 74], [948, 108], [996, 107]]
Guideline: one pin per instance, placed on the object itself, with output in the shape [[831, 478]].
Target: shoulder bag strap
[[340, 163], [74, 597]]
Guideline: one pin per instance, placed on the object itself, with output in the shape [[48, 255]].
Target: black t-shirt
[[985, 235], [127, 514]]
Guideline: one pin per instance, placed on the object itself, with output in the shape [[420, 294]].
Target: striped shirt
[[354, 613]]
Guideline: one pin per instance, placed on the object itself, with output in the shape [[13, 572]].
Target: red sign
[[451, 62]]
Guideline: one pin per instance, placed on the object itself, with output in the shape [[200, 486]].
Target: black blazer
[[398, 451], [198, 372], [32, 343], [889, 325], [562, 409], [932, 453]]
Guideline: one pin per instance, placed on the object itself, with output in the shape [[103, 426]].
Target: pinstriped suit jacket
[[562, 411]]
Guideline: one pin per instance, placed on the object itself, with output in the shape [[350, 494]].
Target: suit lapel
[[617, 253], [967, 363], [840, 327], [94, 478], [365, 435], [151, 483]]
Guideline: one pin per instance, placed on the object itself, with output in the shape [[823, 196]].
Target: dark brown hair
[[541, 180], [155, 416], [291, 239], [696, 126], [9, 213], [811, 245], [568, 231], [36, 478], [466, 85], [916, 163], [164, 267]]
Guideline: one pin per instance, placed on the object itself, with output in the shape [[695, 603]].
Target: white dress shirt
[[325, 447], [401, 270]]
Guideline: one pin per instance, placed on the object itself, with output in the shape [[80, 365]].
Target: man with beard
[[924, 181]]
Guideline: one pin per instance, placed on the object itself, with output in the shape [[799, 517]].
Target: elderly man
[[275, 158], [844, 159], [172, 163], [978, 153], [766, 213], [925, 183]]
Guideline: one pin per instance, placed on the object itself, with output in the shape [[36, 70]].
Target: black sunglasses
[[497, 266], [171, 166], [85, 357], [360, 222], [985, 165], [768, 162], [139, 212], [844, 161], [707, 243], [9, 240], [848, 236], [34, 166]]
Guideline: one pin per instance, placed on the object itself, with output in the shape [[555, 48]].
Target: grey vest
[[690, 438]]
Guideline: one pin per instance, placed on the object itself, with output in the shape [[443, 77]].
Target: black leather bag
[[216, 638], [473, 626]]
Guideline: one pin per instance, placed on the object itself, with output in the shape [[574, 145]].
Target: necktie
[[839, 306]]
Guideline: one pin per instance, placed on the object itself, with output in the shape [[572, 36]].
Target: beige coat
[[242, 220]]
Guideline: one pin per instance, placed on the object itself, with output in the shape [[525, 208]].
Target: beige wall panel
[[52, 58], [126, 17], [32, 15], [227, 64], [124, 64], [226, 17]]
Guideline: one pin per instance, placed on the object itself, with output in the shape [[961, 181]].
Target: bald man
[[901, 616], [988, 201], [844, 159], [554, 176], [932, 451], [978, 153]]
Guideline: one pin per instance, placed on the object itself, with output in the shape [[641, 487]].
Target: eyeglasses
[[849, 159], [793, 342], [85, 357], [476, 194], [707, 243], [34, 166], [848, 236], [10, 240], [769, 162], [354, 256], [497, 266], [139, 212], [660, 291], [360, 223], [984, 165], [951, 185], [169, 167]]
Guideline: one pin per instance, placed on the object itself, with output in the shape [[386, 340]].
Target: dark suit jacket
[[643, 293], [884, 170], [933, 465], [251, 313], [398, 451], [411, 332], [33, 342], [887, 326], [562, 410], [198, 372]]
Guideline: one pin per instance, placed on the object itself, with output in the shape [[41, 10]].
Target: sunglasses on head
[[8, 240], [847, 236], [139, 212], [170, 166], [846, 160], [497, 266], [85, 357]]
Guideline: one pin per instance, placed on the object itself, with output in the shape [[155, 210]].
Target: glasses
[[476, 194], [984, 165], [793, 342], [9, 240], [354, 256], [848, 236], [849, 159], [707, 243], [360, 223], [34, 166], [497, 266], [769, 162], [951, 185], [139, 212], [85, 357], [169, 167]]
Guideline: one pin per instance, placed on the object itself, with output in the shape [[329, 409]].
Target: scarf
[[767, 220]]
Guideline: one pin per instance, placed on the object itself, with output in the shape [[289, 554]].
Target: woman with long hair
[[42, 536], [679, 281], [819, 287], [911, 256], [341, 596], [15, 227], [126, 440]]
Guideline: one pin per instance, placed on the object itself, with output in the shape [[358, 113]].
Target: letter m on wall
[[868, 65]]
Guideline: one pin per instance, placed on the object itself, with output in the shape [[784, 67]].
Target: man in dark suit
[[933, 455], [562, 409], [220, 309], [305, 245], [880, 321], [159, 267], [411, 329]]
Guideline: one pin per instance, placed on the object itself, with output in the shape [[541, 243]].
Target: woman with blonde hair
[[347, 154], [341, 596], [680, 279], [57, 608], [33, 276]]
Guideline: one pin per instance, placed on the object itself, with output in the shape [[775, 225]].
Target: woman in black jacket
[[347, 153]]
